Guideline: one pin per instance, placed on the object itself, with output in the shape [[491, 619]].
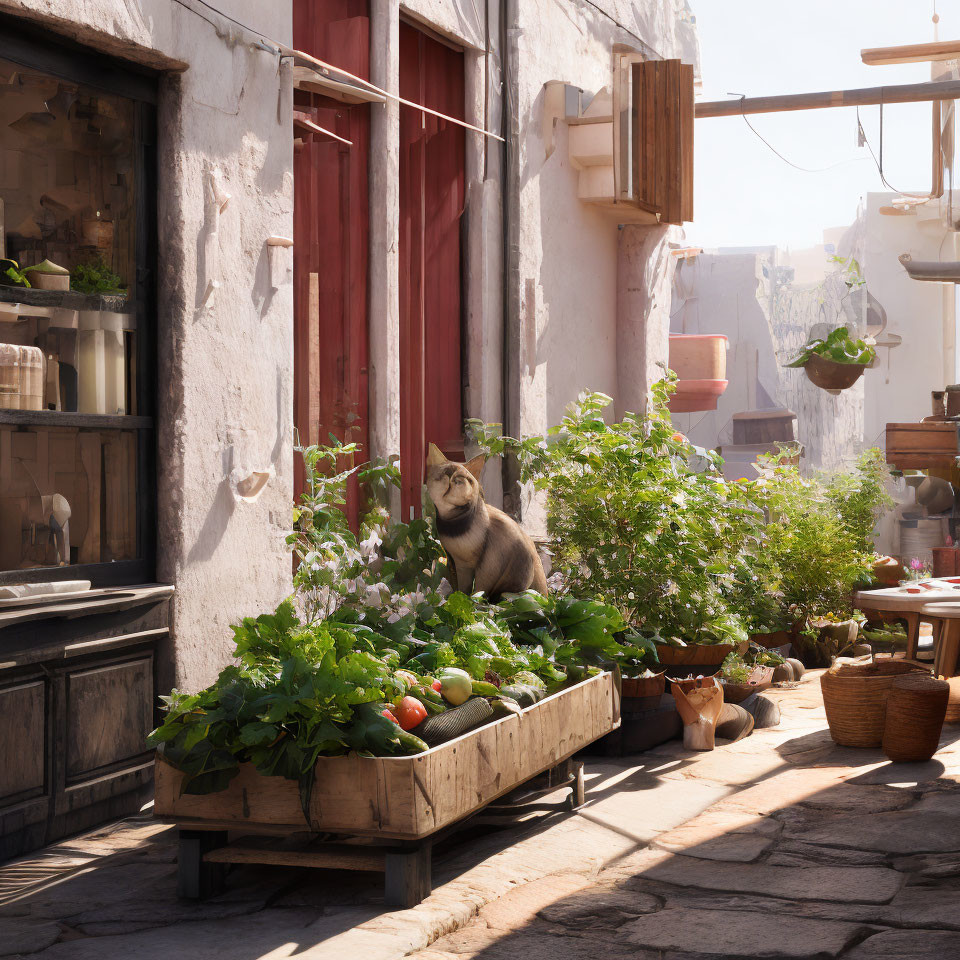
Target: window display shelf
[[56, 418], [66, 300]]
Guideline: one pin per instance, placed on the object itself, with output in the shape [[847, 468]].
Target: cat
[[487, 549]]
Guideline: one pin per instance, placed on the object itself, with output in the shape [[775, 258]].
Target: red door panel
[[331, 231], [432, 157]]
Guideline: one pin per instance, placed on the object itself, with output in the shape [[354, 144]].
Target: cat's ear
[[435, 457], [475, 466]]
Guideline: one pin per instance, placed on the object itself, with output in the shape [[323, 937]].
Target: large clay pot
[[700, 363], [694, 654], [695, 356]]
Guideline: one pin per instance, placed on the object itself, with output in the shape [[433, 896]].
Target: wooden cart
[[401, 804]]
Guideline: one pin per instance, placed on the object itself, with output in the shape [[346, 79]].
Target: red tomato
[[436, 685], [390, 716], [411, 713]]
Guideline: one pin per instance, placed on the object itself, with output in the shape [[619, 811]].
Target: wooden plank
[[860, 97], [687, 142], [330, 856], [23, 746], [911, 53], [313, 358], [407, 797]]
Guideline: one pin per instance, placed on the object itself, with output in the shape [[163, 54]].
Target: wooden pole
[[865, 96]]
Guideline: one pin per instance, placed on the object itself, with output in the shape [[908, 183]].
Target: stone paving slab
[[740, 933], [781, 845]]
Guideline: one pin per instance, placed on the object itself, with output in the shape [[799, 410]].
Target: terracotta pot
[[888, 571], [695, 356], [779, 638], [689, 684], [692, 396], [760, 678], [830, 375], [643, 686], [693, 654]]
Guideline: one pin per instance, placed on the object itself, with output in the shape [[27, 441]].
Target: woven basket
[[855, 699], [953, 704], [693, 654], [916, 705]]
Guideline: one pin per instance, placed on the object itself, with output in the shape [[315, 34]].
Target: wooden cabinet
[[78, 688]]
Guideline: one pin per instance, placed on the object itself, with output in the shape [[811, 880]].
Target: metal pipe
[[862, 97]]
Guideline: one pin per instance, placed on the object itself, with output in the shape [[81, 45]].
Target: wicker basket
[[855, 699], [953, 704], [916, 705], [693, 654]]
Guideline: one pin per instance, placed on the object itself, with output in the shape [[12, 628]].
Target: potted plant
[[636, 512], [834, 362]]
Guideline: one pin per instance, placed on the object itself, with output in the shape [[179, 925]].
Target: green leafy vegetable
[[837, 346]]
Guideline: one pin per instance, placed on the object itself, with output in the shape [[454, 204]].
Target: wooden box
[[917, 446], [405, 798], [764, 426]]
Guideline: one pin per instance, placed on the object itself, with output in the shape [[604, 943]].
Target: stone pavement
[[781, 845]]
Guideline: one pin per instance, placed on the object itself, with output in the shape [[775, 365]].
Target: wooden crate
[[916, 446], [764, 426], [405, 798]]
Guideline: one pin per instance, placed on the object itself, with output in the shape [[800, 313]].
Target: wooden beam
[[911, 53], [863, 97]]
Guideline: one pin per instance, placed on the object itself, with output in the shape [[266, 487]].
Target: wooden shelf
[[67, 299], [56, 418]]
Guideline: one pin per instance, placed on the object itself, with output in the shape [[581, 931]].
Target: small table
[[947, 647], [908, 602]]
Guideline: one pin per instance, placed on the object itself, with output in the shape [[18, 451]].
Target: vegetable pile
[[360, 680]]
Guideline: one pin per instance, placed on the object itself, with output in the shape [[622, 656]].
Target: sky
[[746, 196]]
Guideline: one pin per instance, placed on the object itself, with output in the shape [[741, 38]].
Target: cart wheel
[[576, 798]]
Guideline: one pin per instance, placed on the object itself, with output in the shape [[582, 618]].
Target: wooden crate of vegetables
[[407, 797], [319, 727]]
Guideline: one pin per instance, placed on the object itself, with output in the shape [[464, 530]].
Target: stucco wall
[[568, 249], [923, 314], [731, 294], [224, 361]]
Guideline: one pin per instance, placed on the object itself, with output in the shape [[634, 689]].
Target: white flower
[[369, 547]]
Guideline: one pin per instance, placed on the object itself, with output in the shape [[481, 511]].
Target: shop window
[[77, 212]]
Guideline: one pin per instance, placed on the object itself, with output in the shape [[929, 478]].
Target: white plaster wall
[[898, 388], [731, 294], [568, 249], [225, 366]]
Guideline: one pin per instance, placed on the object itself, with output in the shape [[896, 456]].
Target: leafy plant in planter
[[836, 361], [839, 347], [96, 277], [378, 627], [816, 541], [638, 516]]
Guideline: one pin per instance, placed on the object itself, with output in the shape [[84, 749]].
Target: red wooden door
[[432, 156], [331, 230]]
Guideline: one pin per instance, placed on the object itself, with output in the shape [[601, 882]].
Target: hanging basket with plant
[[834, 362]]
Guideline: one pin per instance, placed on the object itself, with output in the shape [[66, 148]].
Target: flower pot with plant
[[835, 362]]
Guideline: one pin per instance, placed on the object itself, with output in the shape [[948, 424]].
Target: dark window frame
[[23, 43]]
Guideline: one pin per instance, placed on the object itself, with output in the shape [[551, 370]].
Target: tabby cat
[[488, 550]]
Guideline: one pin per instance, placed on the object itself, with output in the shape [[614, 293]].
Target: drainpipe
[[510, 132]]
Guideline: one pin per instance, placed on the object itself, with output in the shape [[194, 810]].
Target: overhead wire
[[774, 150]]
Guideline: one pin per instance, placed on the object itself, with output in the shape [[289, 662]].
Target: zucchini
[[483, 689]]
